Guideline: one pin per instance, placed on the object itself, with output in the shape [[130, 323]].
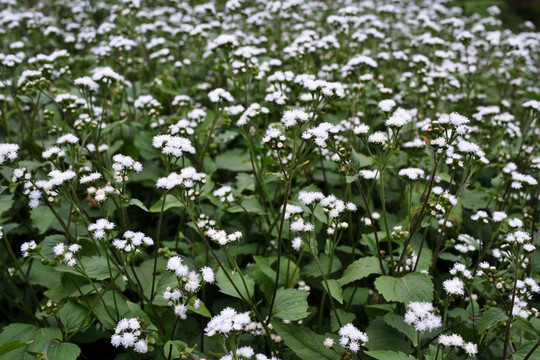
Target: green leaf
[[42, 218], [170, 202], [411, 287], [36, 339], [226, 287], [351, 178], [113, 126], [360, 269], [72, 316], [490, 318], [12, 345], [6, 202], [389, 355], [291, 304], [63, 351], [234, 160], [136, 311], [335, 289], [143, 142], [360, 160], [383, 337], [175, 347], [138, 203], [303, 342], [524, 350], [96, 267]]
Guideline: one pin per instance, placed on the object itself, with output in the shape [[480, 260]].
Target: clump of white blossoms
[[412, 173], [56, 178], [421, 315], [86, 82], [457, 341], [292, 117], [188, 284], [106, 75], [251, 112], [132, 241], [66, 254], [173, 145], [378, 137], [188, 179], [220, 95], [131, 334], [221, 237], [100, 228], [224, 194], [386, 105], [321, 133], [122, 165], [399, 118], [228, 320], [26, 247], [454, 286], [352, 338]]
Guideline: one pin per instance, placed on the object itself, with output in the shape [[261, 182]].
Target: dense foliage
[[267, 180]]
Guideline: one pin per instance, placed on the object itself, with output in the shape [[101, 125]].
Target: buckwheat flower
[[173, 145], [219, 95], [499, 216], [387, 105], [86, 82], [378, 137], [454, 286], [90, 178], [207, 274], [451, 340], [8, 152], [26, 248], [67, 138], [292, 117], [361, 129], [175, 265], [399, 118], [412, 173], [100, 227]]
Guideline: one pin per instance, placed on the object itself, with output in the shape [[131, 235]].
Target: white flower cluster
[[26, 248], [122, 164], [228, 320], [146, 102], [87, 83], [90, 178], [219, 95], [53, 151], [292, 117], [100, 194], [187, 179], [399, 118], [183, 127], [300, 225], [460, 269], [291, 210], [128, 333], [321, 133], [420, 314], [252, 111], [100, 227], [67, 138], [173, 145], [67, 253], [352, 338], [132, 241], [456, 340], [105, 75], [454, 286], [412, 173], [221, 237], [8, 152], [224, 194], [331, 205]]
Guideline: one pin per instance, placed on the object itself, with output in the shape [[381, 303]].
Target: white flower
[[208, 274], [8, 151], [175, 265], [87, 83], [173, 145], [387, 105], [292, 117], [451, 340], [454, 286], [328, 342], [219, 95], [470, 348], [399, 118], [297, 243], [420, 314], [412, 173], [351, 337], [378, 137], [55, 150], [100, 227], [361, 129]]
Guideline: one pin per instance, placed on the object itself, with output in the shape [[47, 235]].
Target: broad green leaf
[[383, 337], [138, 203], [360, 269], [42, 218], [96, 267], [291, 304], [335, 289], [411, 287], [6, 202], [175, 347], [398, 322], [136, 311], [72, 315], [63, 351], [37, 339], [12, 345], [234, 160], [490, 318], [389, 355], [170, 202], [303, 342], [360, 160], [524, 350], [143, 142], [246, 289]]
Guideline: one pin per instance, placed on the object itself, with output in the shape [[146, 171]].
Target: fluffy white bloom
[[252, 111], [26, 247], [454, 286], [122, 164], [228, 320], [187, 178], [399, 118], [106, 75], [67, 138], [292, 117], [90, 178], [8, 152], [328, 342], [351, 337], [412, 173], [219, 95], [175, 265], [221, 237], [87, 83], [420, 314], [387, 105], [207, 274], [173, 145], [309, 197], [100, 227], [361, 129], [132, 241], [451, 340], [378, 137]]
